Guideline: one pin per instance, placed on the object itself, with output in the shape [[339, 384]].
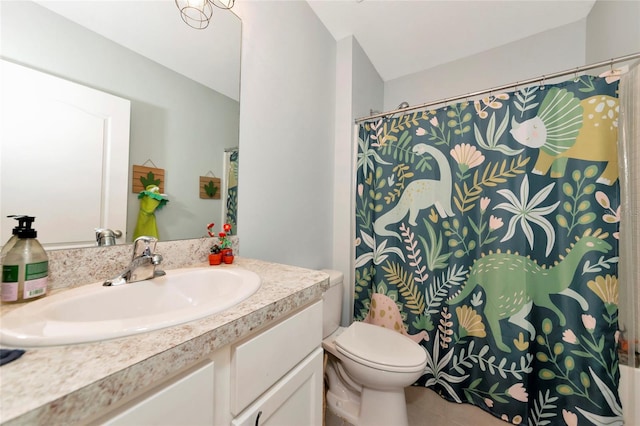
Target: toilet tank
[[332, 303]]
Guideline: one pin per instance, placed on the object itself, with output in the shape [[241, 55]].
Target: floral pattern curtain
[[487, 232], [231, 195]]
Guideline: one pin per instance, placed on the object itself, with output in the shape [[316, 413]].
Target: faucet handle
[[144, 246]]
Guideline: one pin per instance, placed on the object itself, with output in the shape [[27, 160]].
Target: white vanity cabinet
[[273, 376], [276, 376]]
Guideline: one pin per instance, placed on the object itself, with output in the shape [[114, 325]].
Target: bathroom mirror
[[183, 85]]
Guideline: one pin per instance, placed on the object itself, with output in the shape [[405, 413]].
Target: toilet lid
[[380, 348]]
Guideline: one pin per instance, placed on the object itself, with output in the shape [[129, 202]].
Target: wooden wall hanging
[[144, 176], [210, 187]]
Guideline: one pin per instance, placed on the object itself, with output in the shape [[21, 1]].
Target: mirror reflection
[[230, 187], [182, 85]]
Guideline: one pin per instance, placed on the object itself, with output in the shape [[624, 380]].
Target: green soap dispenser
[[25, 267]]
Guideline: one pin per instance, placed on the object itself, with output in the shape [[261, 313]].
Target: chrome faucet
[[143, 264]]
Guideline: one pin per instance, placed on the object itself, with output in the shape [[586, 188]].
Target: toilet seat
[[380, 348]]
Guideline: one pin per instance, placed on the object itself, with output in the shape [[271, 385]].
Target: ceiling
[[404, 37]]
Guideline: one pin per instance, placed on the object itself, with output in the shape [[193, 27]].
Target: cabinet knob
[[258, 418]]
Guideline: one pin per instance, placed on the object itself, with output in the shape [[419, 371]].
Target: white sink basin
[[94, 312]]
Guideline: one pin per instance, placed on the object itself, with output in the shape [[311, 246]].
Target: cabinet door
[[258, 363], [294, 401], [186, 401]]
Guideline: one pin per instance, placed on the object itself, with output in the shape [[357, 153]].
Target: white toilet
[[368, 366]]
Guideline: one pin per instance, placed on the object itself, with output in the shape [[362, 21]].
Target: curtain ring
[[575, 75], [542, 83]]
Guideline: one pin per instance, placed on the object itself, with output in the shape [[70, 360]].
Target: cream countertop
[[65, 384]]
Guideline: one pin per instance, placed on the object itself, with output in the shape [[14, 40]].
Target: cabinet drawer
[[258, 363], [188, 400], [294, 400]]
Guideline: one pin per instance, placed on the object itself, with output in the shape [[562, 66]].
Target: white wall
[[613, 29], [287, 98], [551, 51], [368, 87], [359, 89]]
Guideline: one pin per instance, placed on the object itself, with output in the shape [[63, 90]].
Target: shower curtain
[[487, 232], [231, 183]]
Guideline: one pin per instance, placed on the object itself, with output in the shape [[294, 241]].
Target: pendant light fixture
[[198, 13]]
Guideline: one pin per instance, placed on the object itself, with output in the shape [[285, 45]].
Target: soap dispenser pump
[[25, 266], [14, 236]]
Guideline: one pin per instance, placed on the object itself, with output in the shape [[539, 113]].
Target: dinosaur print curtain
[[487, 232], [231, 197]]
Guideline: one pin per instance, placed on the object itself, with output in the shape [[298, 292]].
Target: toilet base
[[343, 399], [360, 405], [374, 408], [347, 409]]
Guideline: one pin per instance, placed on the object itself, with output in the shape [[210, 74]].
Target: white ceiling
[[154, 29], [404, 37]]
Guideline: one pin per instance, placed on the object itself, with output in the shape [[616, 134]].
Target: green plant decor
[[210, 189], [149, 180]]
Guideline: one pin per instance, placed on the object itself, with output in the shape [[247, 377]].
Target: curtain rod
[[505, 86]]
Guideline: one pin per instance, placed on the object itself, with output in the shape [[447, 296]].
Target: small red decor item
[[215, 258], [222, 250]]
